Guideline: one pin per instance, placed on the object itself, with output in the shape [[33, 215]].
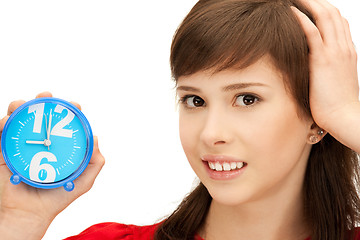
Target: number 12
[[58, 129]]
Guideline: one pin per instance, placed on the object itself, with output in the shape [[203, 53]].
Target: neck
[[273, 218]]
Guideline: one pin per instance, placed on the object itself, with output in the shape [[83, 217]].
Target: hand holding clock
[[26, 212]]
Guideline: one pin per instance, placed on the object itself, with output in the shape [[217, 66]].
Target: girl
[[269, 113]]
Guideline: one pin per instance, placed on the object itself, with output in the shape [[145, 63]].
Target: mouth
[[221, 167], [226, 166]]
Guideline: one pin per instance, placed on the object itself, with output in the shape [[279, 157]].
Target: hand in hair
[[26, 212], [334, 91]]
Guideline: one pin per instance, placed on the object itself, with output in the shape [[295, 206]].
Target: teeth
[[225, 166], [233, 165], [239, 164], [218, 167], [211, 165]]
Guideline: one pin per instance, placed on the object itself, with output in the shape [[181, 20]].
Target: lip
[[220, 158], [222, 175]]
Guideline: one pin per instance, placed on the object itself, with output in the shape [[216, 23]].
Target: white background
[[113, 58]]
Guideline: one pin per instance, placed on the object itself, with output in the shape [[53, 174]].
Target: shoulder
[[119, 231], [357, 233]]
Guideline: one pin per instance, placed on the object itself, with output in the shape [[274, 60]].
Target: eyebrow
[[228, 88]]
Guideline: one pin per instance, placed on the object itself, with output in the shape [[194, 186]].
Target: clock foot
[[69, 186], [15, 179]]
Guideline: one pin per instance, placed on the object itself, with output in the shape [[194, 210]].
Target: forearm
[[18, 226], [345, 126]]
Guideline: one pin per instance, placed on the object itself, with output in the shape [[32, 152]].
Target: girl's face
[[242, 134]]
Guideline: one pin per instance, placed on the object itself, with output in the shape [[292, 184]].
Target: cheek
[[187, 132], [280, 137], [190, 126]]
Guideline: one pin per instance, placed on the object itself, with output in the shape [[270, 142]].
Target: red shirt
[[112, 231], [117, 231]]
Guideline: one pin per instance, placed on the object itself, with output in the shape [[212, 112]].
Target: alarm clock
[[47, 143]]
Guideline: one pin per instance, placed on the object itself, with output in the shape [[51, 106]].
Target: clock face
[[47, 141]]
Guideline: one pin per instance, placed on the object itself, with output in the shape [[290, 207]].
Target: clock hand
[[49, 127], [35, 142], [46, 124], [47, 141]]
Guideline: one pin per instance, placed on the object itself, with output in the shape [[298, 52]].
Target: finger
[[14, 105], [328, 20], [76, 105], [347, 31], [337, 21], [44, 94], [2, 161], [96, 152], [86, 180], [2, 124], [312, 33], [348, 37]]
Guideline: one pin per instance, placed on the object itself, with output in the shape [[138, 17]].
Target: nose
[[216, 129]]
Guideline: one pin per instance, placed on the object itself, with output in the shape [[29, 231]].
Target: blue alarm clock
[[47, 143]]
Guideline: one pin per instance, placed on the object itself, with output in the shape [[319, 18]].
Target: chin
[[229, 195]]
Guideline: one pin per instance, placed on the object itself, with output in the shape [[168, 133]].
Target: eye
[[246, 100], [192, 101]]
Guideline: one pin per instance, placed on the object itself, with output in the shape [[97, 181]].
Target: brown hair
[[223, 34]]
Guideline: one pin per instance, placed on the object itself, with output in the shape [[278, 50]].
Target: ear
[[315, 134]]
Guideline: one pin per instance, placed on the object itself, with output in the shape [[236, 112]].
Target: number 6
[[36, 167]]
